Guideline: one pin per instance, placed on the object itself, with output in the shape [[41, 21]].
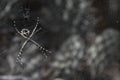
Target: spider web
[[28, 23]]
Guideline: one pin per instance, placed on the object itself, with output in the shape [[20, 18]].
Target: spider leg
[[38, 30], [19, 57], [41, 48]]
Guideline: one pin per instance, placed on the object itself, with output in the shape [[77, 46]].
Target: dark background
[[83, 35]]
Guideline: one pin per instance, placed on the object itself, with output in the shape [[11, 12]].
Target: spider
[[25, 33]]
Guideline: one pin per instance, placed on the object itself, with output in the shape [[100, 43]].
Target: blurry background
[[83, 35]]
